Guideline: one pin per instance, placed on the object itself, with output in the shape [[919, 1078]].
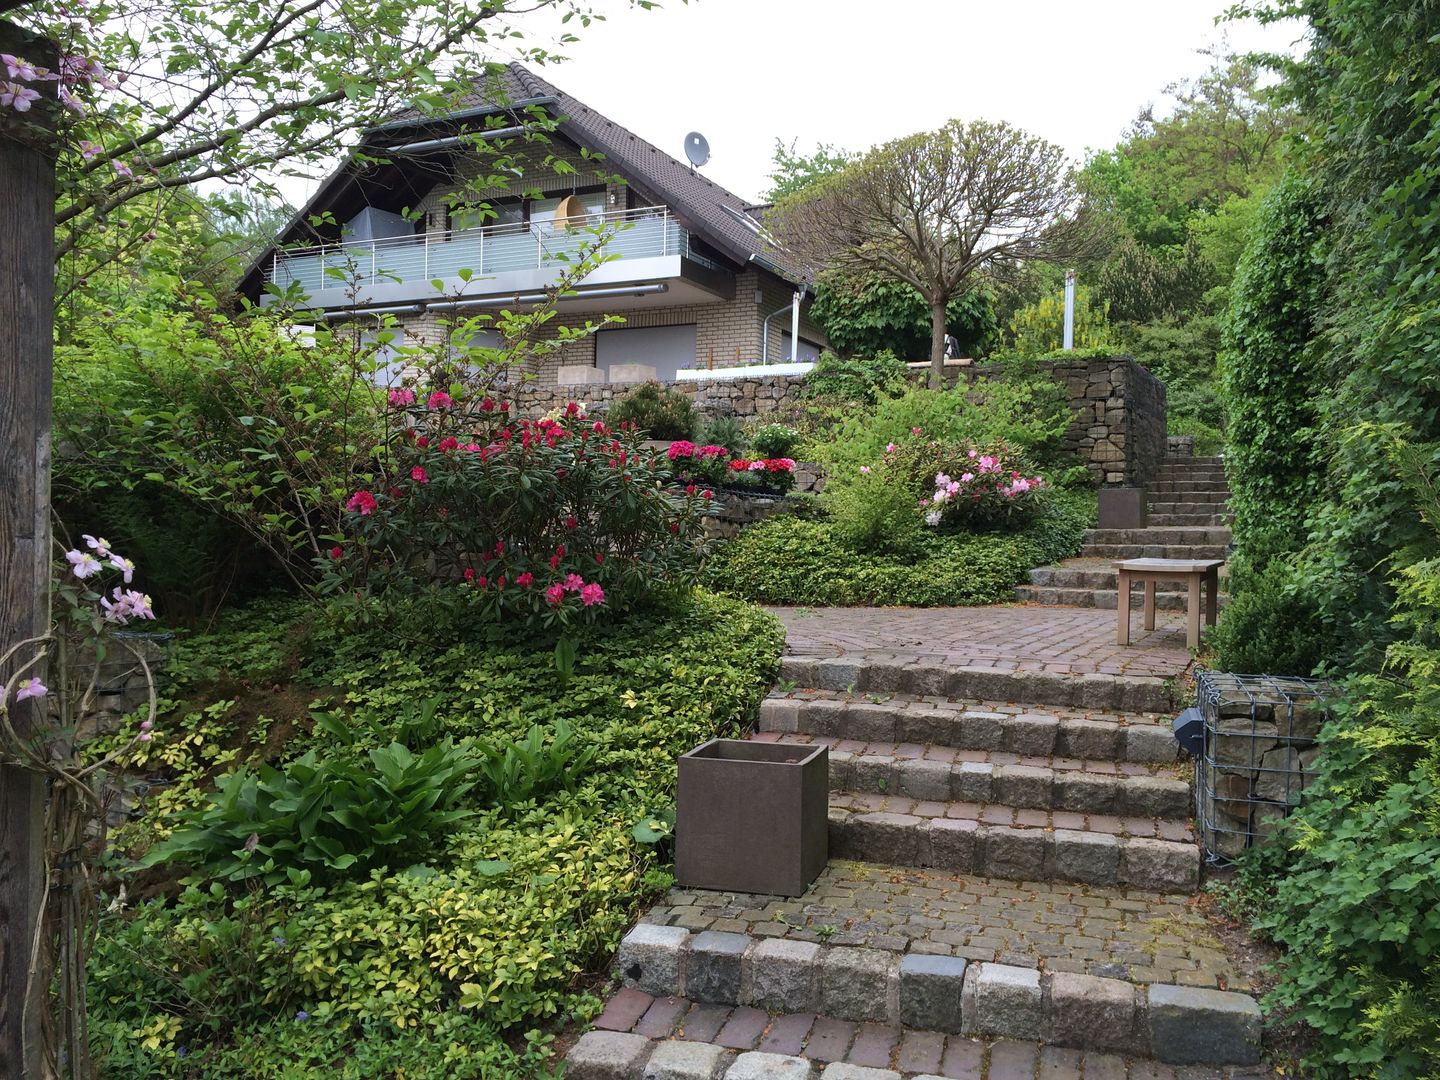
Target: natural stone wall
[[1118, 409], [774, 397], [1180, 445]]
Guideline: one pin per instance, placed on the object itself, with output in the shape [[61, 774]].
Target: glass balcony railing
[[486, 251]]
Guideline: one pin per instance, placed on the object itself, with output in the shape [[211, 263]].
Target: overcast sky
[[744, 72]]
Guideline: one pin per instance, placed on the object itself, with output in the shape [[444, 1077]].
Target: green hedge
[[787, 560], [435, 970]]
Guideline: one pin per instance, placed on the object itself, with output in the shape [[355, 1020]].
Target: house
[[693, 277]]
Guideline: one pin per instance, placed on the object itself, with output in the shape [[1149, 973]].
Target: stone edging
[[1175, 1024]]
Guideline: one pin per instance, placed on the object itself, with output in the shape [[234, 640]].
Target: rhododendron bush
[[548, 521]]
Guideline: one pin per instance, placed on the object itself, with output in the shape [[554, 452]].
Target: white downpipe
[[1069, 310], [795, 327]]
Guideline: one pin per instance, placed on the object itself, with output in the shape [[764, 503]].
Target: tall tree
[[937, 210]]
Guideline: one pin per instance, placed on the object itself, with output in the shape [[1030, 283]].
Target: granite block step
[[1102, 599], [1000, 841], [988, 727], [1091, 691], [1157, 551], [1040, 782], [1167, 536], [1192, 496], [1203, 520]]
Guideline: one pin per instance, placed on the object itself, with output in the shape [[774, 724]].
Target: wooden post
[[27, 291]]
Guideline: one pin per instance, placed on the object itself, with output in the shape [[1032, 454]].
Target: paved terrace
[[1057, 640]]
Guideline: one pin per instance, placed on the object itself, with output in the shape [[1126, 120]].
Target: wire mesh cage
[[1261, 737]]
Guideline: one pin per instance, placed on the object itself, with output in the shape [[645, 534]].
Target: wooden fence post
[[27, 291]]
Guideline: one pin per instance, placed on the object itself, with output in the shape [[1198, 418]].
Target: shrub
[[726, 431], [1209, 441], [994, 488], [856, 379], [694, 466], [657, 411], [1269, 624], [774, 441], [550, 522], [865, 314], [876, 511]]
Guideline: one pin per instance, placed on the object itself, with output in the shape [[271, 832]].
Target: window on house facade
[[809, 350], [665, 348]]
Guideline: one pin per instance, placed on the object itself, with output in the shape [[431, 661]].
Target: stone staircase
[[1187, 520], [1008, 896]]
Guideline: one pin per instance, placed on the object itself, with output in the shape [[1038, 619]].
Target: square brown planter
[[752, 817], [1122, 508]]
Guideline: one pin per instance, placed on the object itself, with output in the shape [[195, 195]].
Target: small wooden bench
[[1193, 572]]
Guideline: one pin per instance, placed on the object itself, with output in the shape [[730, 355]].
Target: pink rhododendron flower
[[337, 552], [419, 475], [592, 594], [30, 688], [83, 564], [469, 573], [525, 580], [362, 502], [439, 400], [973, 453], [680, 448], [402, 396], [422, 442], [914, 431], [571, 522], [555, 593], [889, 448], [449, 443], [574, 583], [865, 469]]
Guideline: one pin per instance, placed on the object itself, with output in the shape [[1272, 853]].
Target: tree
[[862, 316], [937, 210], [791, 172], [160, 98]]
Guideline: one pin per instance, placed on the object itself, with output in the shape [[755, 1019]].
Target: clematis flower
[[592, 594], [18, 68], [122, 169], [20, 97], [90, 149], [83, 564], [125, 566], [439, 400], [30, 688]]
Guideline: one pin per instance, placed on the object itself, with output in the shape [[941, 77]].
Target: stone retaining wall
[[1118, 409]]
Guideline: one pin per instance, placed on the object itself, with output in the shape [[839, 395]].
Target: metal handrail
[[509, 228]]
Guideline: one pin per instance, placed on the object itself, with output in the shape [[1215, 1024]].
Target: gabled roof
[[721, 218]]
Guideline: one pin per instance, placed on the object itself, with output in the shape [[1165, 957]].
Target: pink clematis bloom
[[20, 97], [31, 688], [83, 564], [97, 544], [122, 169], [125, 566]]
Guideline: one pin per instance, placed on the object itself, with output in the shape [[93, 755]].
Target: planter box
[[1122, 508], [752, 817]]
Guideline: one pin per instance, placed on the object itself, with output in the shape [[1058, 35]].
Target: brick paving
[[911, 1052], [1111, 932], [1073, 641]]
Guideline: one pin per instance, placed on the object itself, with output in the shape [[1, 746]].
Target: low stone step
[[707, 1041], [1100, 599], [1021, 781], [1018, 845], [899, 984], [985, 726], [1184, 506], [1192, 490], [1122, 693], [1202, 520], [1156, 551], [1074, 577], [1154, 535]]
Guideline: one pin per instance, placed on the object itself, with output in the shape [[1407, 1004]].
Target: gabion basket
[[1261, 743]]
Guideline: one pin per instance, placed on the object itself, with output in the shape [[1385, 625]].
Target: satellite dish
[[697, 149]]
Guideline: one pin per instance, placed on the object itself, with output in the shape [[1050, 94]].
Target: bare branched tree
[[938, 210]]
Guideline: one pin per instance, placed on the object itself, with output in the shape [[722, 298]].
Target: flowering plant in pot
[[719, 467]]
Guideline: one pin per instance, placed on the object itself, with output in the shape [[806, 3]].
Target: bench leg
[[1212, 597], [1192, 613], [1122, 610], [1149, 608]]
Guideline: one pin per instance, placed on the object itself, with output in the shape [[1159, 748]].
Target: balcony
[[643, 245]]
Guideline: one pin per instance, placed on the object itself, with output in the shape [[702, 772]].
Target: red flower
[[336, 552], [571, 523], [482, 582], [421, 441], [739, 465], [449, 443], [419, 475], [501, 583], [525, 580], [599, 559], [488, 405], [469, 573], [674, 526], [705, 494], [440, 400], [362, 502], [555, 561], [499, 547]]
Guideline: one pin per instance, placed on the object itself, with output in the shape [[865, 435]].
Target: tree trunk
[[937, 344], [27, 285]]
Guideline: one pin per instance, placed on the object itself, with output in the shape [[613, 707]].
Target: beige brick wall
[[727, 333]]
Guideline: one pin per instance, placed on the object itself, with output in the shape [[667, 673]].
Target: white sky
[[744, 72]]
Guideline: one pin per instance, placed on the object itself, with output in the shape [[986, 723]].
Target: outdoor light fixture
[[1190, 731]]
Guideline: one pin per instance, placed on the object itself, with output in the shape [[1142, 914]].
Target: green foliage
[[867, 315], [1272, 623], [726, 431], [532, 768], [774, 441], [1029, 414], [1209, 441], [319, 819], [791, 172], [1039, 329], [420, 968], [877, 511], [659, 412], [788, 560], [1182, 353], [861, 380]]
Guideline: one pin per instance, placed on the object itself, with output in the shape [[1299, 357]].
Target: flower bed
[[721, 468]]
